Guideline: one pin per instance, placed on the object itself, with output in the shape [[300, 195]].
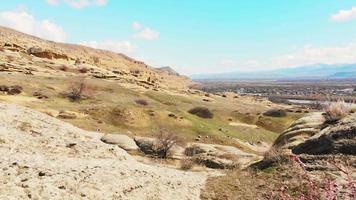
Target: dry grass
[[335, 111], [287, 181], [187, 164], [201, 112], [193, 150]]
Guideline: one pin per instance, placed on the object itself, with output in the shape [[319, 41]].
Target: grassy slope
[[136, 119]]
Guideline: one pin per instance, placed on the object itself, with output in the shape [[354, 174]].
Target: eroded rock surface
[[338, 138], [301, 130], [45, 158]]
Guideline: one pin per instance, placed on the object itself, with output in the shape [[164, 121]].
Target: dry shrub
[[142, 102], [80, 89], [287, 181], [275, 113], [193, 150], [335, 111], [201, 112], [63, 68], [83, 70], [274, 155], [187, 164], [165, 141]]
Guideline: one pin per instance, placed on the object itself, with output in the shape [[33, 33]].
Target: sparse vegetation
[[83, 70], [201, 112], [285, 181], [142, 102], [187, 164], [193, 150], [166, 140], [80, 89], [335, 111], [275, 113]]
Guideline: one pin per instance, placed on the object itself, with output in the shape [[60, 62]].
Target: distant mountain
[[319, 71]]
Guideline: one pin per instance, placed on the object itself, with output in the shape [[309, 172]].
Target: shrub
[[335, 111], [79, 90], [193, 150], [201, 112], [83, 70], [63, 68], [165, 142], [186, 164], [275, 113], [142, 102]]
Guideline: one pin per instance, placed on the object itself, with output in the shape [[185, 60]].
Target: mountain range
[[317, 71]]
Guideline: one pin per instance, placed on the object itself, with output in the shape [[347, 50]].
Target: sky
[[198, 36]]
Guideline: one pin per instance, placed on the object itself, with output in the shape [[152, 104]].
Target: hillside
[[126, 96], [32, 55]]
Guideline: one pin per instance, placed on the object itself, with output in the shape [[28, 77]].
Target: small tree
[[79, 90], [166, 140]]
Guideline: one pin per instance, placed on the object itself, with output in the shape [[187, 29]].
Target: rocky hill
[[23, 53]]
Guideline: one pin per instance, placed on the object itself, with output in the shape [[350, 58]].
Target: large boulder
[[219, 156], [301, 130], [123, 141], [339, 138]]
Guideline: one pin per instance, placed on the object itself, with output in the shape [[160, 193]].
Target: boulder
[[301, 130], [219, 156], [336, 139], [123, 141]]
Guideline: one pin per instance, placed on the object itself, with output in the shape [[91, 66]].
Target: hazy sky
[[198, 36]]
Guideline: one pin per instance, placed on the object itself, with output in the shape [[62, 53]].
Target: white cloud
[[147, 34], [307, 55], [22, 21], [125, 47], [137, 25], [144, 33], [344, 15], [53, 2], [313, 55], [79, 3]]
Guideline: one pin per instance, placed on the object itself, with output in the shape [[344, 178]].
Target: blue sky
[[198, 36]]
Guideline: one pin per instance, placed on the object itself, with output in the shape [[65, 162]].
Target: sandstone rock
[[338, 138], [50, 112], [123, 141], [67, 115], [219, 156], [52, 167], [300, 131]]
